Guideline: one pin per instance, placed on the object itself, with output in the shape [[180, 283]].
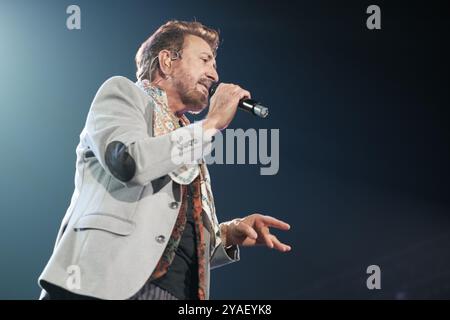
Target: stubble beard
[[194, 99]]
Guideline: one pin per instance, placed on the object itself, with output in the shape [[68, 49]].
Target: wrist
[[224, 234], [210, 125]]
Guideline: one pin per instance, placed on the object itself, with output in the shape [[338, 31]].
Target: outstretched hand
[[254, 230]]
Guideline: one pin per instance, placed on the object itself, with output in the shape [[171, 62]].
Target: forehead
[[196, 45]]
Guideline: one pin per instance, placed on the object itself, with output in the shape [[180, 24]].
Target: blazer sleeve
[[118, 135], [222, 256]]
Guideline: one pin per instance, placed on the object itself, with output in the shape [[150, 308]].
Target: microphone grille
[[213, 88]]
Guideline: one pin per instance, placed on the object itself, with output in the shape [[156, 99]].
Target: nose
[[212, 74]]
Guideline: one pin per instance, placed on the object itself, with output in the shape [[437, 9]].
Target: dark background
[[363, 122]]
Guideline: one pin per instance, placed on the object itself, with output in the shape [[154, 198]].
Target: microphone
[[248, 105]]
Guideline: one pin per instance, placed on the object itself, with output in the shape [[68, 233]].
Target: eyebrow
[[210, 57]]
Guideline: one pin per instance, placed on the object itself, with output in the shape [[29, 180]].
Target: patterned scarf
[[197, 175]]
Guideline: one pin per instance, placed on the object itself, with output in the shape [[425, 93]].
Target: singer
[[140, 226]]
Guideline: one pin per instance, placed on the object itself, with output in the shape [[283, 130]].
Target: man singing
[[140, 225]]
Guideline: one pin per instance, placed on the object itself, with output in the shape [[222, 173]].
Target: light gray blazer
[[123, 209]]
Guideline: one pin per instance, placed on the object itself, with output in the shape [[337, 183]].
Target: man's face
[[194, 73]]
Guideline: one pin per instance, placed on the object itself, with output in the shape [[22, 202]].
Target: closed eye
[[207, 58]]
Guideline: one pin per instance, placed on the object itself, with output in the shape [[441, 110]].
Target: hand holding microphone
[[225, 98], [246, 104]]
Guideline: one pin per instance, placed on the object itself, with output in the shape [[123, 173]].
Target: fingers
[[266, 237], [247, 230], [278, 245], [241, 93], [272, 241], [235, 90], [271, 221]]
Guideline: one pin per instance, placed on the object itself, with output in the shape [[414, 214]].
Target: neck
[[174, 102]]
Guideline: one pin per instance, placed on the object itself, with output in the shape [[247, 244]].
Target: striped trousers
[[148, 292], [151, 291]]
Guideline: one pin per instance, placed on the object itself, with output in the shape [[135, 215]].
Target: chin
[[196, 109], [197, 102]]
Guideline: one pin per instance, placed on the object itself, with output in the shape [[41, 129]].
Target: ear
[[165, 63]]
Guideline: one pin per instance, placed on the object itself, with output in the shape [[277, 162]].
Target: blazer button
[[160, 239], [173, 205]]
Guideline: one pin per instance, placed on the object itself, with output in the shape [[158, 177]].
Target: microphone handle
[[253, 107]]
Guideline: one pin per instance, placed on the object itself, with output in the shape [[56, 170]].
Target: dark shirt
[[181, 279]]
